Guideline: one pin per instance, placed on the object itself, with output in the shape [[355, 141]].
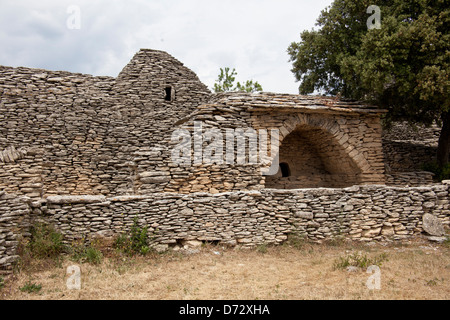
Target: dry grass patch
[[306, 271]]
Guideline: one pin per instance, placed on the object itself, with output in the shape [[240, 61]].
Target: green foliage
[[45, 241], [82, 253], [31, 287], [136, 242], [249, 86], [2, 283], [358, 260], [225, 82], [441, 173], [226, 79]]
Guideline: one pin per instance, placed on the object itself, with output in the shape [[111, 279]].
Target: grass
[[359, 260], [31, 287], [80, 252], [45, 241], [296, 270]]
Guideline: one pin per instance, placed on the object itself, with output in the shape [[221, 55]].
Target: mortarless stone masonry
[[88, 154], [245, 218]]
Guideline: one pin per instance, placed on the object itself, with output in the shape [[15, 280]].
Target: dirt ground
[[416, 270]]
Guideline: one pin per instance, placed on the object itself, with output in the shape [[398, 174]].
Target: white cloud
[[251, 36]]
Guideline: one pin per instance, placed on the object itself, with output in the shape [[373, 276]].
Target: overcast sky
[[249, 35]]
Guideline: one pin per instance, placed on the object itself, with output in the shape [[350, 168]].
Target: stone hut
[[73, 134]]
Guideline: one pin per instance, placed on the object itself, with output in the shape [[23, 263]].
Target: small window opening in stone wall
[[168, 94], [285, 170]]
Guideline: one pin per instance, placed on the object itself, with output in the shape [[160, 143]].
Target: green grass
[[82, 253], [359, 260], [31, 287]]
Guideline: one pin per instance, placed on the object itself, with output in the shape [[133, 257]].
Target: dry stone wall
[[250, 218], [15, 220], [88, 154], [407, 148], [67, 133], [246, 218]]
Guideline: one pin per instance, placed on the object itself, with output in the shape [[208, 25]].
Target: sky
[[100, 37]]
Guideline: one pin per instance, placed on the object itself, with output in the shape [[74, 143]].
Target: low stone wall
[[247, 218], [15, 215], [410, 179]]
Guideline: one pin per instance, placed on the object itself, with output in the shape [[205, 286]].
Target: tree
[[403, 66], [225, 83]]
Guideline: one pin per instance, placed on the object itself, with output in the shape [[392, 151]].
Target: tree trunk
[[444, 141]]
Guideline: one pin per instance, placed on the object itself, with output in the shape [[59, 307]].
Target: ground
[[294, 271]]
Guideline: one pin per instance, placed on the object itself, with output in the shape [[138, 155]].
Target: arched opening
[[310, 158]]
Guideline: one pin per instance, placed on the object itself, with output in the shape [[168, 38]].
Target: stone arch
[[331, 126], [319, 154]]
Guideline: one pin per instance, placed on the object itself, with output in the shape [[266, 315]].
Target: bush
[[136, 242], [441, 173], [45, 241]]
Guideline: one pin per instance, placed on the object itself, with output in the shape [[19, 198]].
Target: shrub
[[136, 242]]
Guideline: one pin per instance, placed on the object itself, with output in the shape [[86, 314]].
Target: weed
[[31, 287], [358, 260], [2, 283], [82, 253], [45, 242], [433, 282], [93, 255], [296, 241], [262, 248]]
